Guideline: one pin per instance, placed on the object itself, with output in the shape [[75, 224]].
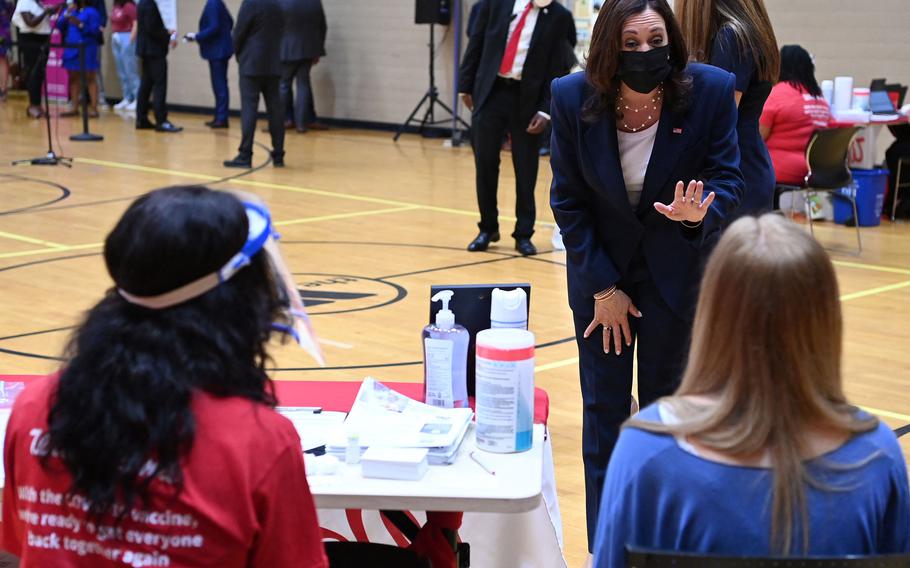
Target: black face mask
[[643, 71]]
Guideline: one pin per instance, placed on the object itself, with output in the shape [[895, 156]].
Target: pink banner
[[57, 83]]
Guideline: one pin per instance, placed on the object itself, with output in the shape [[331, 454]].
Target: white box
[[408, 464]]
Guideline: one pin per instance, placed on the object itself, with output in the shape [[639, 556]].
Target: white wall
[[376, 68]]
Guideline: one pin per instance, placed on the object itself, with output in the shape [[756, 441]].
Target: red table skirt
[[339, 395]]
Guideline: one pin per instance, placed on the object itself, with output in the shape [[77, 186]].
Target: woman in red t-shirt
[[792, 112], [158, 444]]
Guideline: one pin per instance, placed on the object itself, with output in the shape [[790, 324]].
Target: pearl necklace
[[651, 107]]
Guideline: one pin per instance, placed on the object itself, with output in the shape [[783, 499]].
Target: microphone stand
[[51, 158]]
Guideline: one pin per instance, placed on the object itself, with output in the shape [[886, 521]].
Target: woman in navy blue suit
[[736, 35], [645, 175]]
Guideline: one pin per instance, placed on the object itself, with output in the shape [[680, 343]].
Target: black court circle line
[[64, 193], [403, 364], [71, 257], [400, 292], [44, 206], [902, 431]]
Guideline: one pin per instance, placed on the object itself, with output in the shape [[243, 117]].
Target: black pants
[[500, 114], [302, 111], [270, 88], [34, 55], [154, 85], [606, 379]]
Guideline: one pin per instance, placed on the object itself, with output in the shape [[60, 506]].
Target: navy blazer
[[601, 230], [214, 35]]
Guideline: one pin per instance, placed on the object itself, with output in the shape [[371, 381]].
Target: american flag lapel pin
[[677, 131]]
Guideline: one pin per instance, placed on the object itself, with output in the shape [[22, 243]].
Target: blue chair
[[641, 558]]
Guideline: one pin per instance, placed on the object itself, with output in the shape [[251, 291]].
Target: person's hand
[[687, 205], [613, 314], [468, 100], [316, 61], [191, 36], [538, 124]]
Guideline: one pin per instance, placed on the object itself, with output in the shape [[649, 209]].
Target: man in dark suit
[[302, 46], [516, 48], [153, 40], [216, 47], [257, 43]]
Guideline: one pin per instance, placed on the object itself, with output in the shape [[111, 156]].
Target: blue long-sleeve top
[[88, 34], [660, 496]]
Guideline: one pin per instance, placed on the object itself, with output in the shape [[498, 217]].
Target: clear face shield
[[261, 237]]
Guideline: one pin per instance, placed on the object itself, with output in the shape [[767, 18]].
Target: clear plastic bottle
[[445, 358]]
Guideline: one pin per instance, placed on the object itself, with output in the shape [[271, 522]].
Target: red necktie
[[508, 60]]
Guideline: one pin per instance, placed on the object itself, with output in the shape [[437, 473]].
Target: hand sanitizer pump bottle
[[445, 358]]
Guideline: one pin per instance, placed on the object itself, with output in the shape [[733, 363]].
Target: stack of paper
[[312, 426], [384, 418]]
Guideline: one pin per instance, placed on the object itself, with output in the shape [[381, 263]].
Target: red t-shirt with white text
[[245, 500], [792, 114]]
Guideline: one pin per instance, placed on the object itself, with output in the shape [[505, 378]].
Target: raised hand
[[687, 205]]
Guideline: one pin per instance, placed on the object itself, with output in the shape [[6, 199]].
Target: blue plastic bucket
[[871, 186]]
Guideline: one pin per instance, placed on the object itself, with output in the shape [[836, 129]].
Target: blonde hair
[[766, 344], [701, 20]]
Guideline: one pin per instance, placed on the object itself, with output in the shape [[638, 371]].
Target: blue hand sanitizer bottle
[[445, 358]]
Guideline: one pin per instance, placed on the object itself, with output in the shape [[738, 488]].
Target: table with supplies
[[511, 517]]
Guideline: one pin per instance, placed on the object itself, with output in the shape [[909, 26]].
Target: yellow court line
[[145, 169], [291, 188], [556, 365], [344, 215], [30, 240], [875, 267], [887, 413], [874, 291], [61, 248]]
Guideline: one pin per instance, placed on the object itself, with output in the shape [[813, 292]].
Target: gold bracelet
[[605, 294], [688, 226]]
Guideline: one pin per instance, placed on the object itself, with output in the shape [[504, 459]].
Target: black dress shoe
[[525, 247], [167, 126], [217, 124], [239, 162], [144, 125], [482, 241], [278, 161]]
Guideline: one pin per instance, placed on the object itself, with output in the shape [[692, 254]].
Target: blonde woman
[[736, 35], [758, 452]]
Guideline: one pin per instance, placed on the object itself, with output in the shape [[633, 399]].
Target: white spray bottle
[[445, 358]]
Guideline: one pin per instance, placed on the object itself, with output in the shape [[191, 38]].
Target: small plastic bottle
[[445, 358]]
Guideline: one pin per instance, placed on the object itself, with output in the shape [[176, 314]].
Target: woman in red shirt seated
[[792, 112], [158, 444]]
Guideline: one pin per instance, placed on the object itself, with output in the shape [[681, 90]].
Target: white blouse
[[634, 155]]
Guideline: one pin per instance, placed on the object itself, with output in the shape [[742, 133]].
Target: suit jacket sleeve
[[471, 60], [323, 29], [570, 199], [210, 20], [558, 60], [721, 173], [242, 26], [150, 22]]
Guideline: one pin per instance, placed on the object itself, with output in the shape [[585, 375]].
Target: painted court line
[[556, 365], [876, 267], [874, 291], [886, 413], [30, 240], [344, 215]]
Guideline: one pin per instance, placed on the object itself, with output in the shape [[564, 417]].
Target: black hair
[[122, 403], [797, 68]]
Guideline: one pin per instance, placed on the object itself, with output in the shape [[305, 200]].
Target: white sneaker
[[131, 107], [121, 105]]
